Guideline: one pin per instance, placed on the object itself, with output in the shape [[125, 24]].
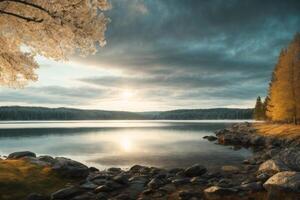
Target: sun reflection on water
[[126, 144]]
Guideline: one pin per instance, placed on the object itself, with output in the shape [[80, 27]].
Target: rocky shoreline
[[273, 172]]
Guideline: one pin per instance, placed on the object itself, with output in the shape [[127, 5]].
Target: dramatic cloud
[[178, 54]]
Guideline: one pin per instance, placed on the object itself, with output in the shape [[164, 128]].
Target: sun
[[127, 94]]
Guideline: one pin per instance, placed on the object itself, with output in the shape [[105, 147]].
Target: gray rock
[[291, 158], [180, 181], [114, 170], [210, 138], [195, 170], [103, 188], [136, 186], [89, 186], [47, 159], [169, 188], [272, 167], [156, 183], [21, 154], [121, 178], [263, 177], [70, 168], [66, 193]]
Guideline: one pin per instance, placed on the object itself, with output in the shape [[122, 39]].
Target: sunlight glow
[[126, 144], [127, 94]]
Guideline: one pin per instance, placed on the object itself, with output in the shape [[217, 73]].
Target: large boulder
[[283, 183], [70, 168], [21, 154], [291, 158], [272, 167], [195, 170]]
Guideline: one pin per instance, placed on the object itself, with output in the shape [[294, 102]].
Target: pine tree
[[258, 110], [284, 91], [265, 107]]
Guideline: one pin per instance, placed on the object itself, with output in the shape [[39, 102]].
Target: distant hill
[[43, 113]]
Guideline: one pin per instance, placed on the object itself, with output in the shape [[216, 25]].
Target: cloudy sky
[[171, 54]]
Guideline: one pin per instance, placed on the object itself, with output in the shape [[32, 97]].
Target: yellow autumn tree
[[284, 91], [54, 29]]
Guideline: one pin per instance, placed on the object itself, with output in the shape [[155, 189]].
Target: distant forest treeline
[[42, 113]]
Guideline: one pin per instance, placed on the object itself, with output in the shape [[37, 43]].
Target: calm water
[[122, 143]]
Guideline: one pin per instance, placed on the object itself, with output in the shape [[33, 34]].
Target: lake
[[123, 143]]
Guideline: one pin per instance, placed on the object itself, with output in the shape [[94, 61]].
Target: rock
[[195, 170], [272, 167], [21, 154], [35, 196], [257, 140], [216, 193], [288, 181], [198, 181], [121, 178], [70, 168], [136, 186], [254, 186], [36, 161], [156, 183], [66, 193], [89, 186], [139, 169], [263, 177], [93, 169], [210, 138], [169, 188], [180, 181], [114, 170], [230, 169], [225, 183], [103, 188], [47, 159], [175, 170], [291, 158]]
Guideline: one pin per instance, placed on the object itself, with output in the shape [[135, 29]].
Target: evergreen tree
[[284, 91], [258, 110]]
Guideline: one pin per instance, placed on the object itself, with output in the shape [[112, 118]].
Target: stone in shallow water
[[230, 168], [195, 170], [21, 154]]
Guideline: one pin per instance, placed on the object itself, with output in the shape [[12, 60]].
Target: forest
[[42, 113]]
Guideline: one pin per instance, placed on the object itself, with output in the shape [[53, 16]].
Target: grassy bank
[[19, 178], [289, 131]]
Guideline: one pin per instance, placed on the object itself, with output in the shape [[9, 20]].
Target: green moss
[[19, 178]]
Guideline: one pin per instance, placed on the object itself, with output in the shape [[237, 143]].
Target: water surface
[[122, 143]]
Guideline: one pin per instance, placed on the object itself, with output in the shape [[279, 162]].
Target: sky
[[171, 54]]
